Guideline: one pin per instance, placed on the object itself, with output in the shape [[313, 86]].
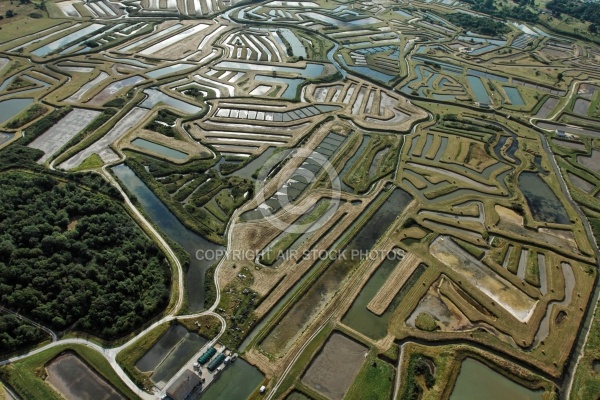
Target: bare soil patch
[[569, 144], [75, 380], [592, 162], [508, 215], [335, 367]]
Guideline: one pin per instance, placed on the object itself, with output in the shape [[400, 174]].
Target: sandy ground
[[508, 215], [190, 38], [447, 315], [394, 283], [581, 183], [191, 44], [563, 234], [496, 287], [334, 369]]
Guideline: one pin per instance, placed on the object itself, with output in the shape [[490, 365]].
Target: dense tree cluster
[[585, 11], [418, 366], [15, 334], [520, 12], [484, 26], [70, 258]]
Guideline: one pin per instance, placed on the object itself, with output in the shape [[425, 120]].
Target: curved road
[[110, 354], [31, 322]]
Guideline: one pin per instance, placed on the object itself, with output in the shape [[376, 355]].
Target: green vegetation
[[204, 211], [473, 250], [589, 12], [418, 366], [518, 11], [116, 102], [92, 162], [16, 334], [426, 322], [44, 124], [210, 291], [33, 112], [207, 326], [270, 255], [238, 302], [532, 270], [374, 381], [27, 377], [164, 123], [19, 83], [482, 25], [69, 260], [196, 93], [586, 384], [378, 160]]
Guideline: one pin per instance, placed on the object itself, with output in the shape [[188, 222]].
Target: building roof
[[183, 386]]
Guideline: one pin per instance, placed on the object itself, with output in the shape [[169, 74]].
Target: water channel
[[176, 231]]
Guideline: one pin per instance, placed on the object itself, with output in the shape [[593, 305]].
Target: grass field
[[374, 381], [92, 162], [587, 376]]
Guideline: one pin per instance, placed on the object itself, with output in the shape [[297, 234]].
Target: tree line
[[520, 11], [481, 25]]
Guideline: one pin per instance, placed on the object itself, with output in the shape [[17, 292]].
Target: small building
[[184, 385]]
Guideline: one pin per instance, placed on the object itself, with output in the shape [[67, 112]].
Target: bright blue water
[[514, 95], [478, 89]]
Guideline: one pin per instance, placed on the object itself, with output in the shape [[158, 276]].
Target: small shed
[[184, 385]]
